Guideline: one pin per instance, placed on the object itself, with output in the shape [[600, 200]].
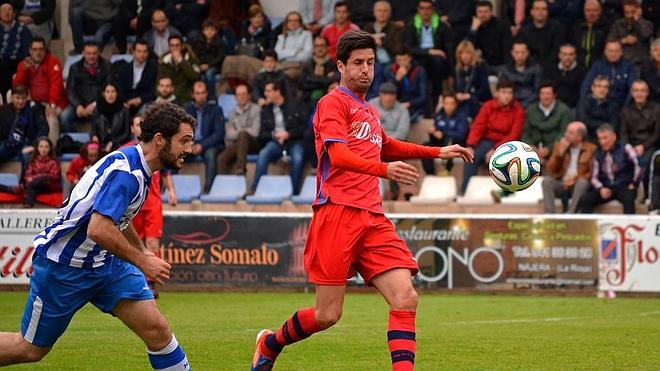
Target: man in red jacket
[[41, 72], [500, 120]]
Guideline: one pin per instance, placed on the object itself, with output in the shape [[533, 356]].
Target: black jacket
[[568, 83], [212, 53], [83, 88], [145, 87], [262, 78], [543, 42], [23, 133], [589, 42], [116, 130], [594, 114], [494, 40], [295, 121]]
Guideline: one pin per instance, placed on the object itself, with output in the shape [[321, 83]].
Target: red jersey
[[341, 116]]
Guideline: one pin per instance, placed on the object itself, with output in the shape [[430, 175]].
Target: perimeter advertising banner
[[452, 252], [630, 254], [17, 231]]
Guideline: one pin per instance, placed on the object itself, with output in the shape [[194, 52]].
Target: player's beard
[[168, 159], [361, 84]]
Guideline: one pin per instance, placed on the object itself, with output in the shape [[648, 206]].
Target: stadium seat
[[68, 156], [275, 21], [128, 58], [79, 137], [530, 196], [228, 103], [187, 187], [226, 189], [478, 191], [70, 60], [436, 190], [272, 189], [307, 193], [9, 179]]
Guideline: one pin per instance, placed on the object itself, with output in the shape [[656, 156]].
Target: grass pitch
[[217, 331]]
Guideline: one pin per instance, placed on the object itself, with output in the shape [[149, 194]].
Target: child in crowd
[[89, 154], [450, 126], [43, 173]]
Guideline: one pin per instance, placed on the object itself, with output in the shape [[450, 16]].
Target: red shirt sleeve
[[398, 150], [21, 74], [342, 158], [333, 127]]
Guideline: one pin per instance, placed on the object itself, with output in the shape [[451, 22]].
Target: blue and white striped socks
[[170, 358]]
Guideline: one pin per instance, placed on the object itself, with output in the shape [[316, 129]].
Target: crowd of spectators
[[577, 80]]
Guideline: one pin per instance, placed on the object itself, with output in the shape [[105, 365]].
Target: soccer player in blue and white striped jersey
[[91, 253]]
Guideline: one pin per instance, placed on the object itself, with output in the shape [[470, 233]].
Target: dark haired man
[[349, 230], [136, 80], [92, 254], [41, 71]]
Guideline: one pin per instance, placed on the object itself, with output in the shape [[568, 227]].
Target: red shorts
[[343, 239], [148, 223]]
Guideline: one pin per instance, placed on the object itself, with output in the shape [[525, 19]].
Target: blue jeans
[[210, 167], [79, 23], [209, 79], [8, 151], [272, 151], [68, 118], [470, 169]]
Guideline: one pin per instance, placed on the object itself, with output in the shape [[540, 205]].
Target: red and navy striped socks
[[401, 339], [300, 326]]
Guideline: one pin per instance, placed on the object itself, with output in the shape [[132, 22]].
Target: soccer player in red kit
[[349, 231]]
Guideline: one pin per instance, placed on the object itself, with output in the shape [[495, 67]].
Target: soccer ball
[[514, 166]]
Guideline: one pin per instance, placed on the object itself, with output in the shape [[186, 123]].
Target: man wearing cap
[[394, 117]]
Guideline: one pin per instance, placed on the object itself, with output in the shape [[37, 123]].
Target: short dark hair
[[270, 53], [141, 42], [425, 1], [519, 41], [90, 43], [20, 90], [402, 50], [177, 37], [548, 84], [277, 85], [38, 39], [504, 84], [634, 3], [486, 3], [341, 3], [208, 22], [353, 40], [164, 118]]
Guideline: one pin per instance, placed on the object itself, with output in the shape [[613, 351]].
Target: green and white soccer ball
[[514, 166]]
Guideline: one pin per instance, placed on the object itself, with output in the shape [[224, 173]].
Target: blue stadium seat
[[118, 57], [68, 156], [67, 64], [272, 189], [228, 103], [307, 193], [187, 187], [226, 189], [80, 137], [9, 179]]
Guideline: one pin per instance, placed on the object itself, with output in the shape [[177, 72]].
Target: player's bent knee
[[405, 300], [158, 334], [327, 318]]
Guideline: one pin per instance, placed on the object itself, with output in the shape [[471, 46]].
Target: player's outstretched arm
[[398, 150], [342, 158], [103, 231]]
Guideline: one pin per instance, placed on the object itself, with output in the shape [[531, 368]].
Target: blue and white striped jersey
[[116, 186]]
